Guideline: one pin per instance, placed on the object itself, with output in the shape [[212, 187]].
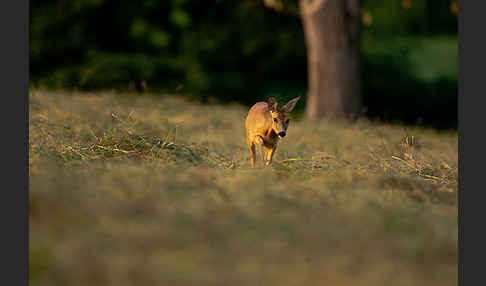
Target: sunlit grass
[[157, 190]]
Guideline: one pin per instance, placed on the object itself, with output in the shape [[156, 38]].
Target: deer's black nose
[[282, 134]]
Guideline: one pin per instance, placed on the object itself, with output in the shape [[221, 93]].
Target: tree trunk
[[332, 34]]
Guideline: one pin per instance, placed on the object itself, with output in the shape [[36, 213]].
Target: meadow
[[150, 189]]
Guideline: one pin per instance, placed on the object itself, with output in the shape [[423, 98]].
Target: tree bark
[[332, 34]]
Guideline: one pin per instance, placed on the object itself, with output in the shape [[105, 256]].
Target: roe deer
[[265, 125]]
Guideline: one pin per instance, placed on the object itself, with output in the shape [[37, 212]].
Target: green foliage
[[412, 80], [236, 51], [422, 17]]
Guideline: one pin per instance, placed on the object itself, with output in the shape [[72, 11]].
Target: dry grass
[[141, 190]]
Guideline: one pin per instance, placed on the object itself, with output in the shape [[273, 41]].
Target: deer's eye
[[287, 121], [275, 120]]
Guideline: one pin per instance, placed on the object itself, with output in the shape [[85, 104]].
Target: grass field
[[146, 190]]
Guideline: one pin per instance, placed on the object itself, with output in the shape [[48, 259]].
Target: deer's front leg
[[251, 146], [270, 151], [261, 143]]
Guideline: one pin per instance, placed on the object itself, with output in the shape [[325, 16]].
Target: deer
[[265, 125]]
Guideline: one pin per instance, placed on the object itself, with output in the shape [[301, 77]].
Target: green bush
[[396, 88], [242, 52]]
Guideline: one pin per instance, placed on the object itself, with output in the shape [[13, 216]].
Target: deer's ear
[[272, 103], [290, 105]]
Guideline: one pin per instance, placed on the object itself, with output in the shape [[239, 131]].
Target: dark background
[[241, 51]]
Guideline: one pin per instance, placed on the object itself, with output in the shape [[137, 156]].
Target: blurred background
[[244, 51]]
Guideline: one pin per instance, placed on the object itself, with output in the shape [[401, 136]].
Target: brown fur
[[263, 125]]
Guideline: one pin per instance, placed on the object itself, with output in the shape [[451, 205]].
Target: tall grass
[[146, 190]]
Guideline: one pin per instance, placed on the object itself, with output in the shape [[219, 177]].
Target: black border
[[14, 74], [471, 104]]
